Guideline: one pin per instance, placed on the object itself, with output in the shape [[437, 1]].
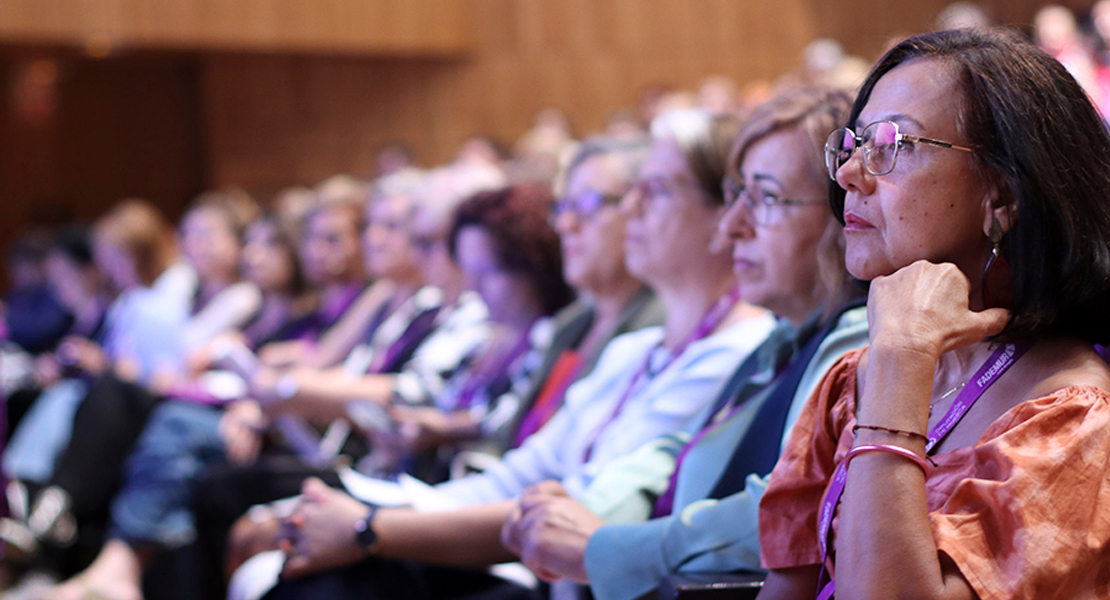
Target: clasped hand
[[549, 530], [320, 535]]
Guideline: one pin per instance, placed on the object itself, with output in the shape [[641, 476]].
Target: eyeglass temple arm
[[932, 142]]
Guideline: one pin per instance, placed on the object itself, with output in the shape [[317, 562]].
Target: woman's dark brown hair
[[517, 220], [1038, 136]]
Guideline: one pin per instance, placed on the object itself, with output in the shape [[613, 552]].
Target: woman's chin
[[866, 267]]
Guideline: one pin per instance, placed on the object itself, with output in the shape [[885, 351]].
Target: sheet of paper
[[256, 576], [374, 491], [424, 497]]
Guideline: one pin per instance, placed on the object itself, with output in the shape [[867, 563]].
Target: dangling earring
[[997, 289]]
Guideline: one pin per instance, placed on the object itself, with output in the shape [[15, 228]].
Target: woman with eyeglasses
[[611, 301], [966, 452]]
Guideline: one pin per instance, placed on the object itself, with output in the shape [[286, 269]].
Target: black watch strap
[[365, 536]]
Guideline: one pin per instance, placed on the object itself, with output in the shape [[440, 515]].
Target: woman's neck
[[687, 305], [276, 299], [451, 293], [956, 367], [610, 301], [522, 320], [404, 289], [608, 309], [337, 289]]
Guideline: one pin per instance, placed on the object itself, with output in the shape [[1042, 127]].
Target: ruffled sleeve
[[1027, 514]]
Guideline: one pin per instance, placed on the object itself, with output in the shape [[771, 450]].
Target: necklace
[[946, 394]]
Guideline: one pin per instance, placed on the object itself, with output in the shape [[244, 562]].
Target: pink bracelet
[[889, 449]]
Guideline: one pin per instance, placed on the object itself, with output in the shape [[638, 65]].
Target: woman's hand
[[284, 354], [241, 429], [322, 531], [550, 532], [203, 359], [82, 354], [924, 308], [423, 428], [512, 534], [47, 370]]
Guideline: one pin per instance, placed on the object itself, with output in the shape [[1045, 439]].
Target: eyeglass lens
[[880, 148], [754, 199]]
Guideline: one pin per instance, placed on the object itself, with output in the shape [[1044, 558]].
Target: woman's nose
[[738, 222], [854, 176], [567, 221], [632, 202]]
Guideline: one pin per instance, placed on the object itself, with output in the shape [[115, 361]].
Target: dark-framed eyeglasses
[[425, 243], [880, 141], [766, 207], [585, 205]]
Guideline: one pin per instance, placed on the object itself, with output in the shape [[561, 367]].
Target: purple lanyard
[[481, 379], [340, 302], [708, 323], [998, 363], [665, 504], [420, 324]]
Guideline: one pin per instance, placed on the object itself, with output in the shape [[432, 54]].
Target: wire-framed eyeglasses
[[880, 141], [766, 207], [585, 205]]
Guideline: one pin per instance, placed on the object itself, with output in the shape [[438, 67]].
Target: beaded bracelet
[[912, 434], [889, 449]]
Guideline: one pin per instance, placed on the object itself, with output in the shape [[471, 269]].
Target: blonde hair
[[141, 230], [813, 111]]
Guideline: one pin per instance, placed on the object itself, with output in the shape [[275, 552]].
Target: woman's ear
[[999, 206]]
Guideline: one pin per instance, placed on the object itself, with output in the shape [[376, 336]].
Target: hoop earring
[[998, 285]]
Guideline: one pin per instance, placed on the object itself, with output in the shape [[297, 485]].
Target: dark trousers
[[105, 428], [380, 579]]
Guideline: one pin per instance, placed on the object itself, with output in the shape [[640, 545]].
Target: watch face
[[365, 536]]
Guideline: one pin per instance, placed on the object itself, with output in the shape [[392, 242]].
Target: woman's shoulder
[[741, 336], [628, 350], [1060, 367]]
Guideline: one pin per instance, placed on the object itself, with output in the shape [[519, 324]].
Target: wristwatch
[[365, 536]]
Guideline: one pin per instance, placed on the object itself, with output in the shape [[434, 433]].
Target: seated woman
[[327, 240], [646, 384], [611, 301], [269, 261], [682, 505], [82, 290], [211, 234], [964, 453]]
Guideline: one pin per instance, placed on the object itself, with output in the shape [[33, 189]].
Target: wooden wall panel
[[865, 27], [588, 57], [432, 27], [117, 128]]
